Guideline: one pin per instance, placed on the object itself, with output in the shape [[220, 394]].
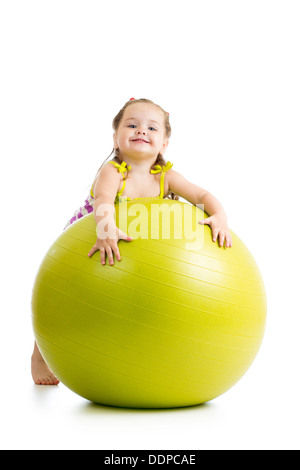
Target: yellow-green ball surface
[[177, 322]]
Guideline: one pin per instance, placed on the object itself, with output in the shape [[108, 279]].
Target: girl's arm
[[108, 234], [195, 195]]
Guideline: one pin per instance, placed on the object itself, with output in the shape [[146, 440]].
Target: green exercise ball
[[177, 322]]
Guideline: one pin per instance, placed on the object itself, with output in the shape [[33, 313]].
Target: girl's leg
[[41, 373]]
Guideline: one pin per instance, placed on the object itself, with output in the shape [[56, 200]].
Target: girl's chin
[[138, 152]]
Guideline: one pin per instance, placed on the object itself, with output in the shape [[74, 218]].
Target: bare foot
[[41, 373]]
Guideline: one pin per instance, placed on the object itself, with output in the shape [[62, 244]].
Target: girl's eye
[[133, 125]]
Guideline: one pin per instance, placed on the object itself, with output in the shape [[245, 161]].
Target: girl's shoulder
[[107, 171], [108, 174]]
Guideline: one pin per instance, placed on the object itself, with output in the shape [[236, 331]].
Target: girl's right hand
[[109, 246]]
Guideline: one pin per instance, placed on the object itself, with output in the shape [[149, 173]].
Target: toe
[[52, 380]]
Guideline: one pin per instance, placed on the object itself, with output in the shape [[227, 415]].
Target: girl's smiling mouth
[[140, 140]]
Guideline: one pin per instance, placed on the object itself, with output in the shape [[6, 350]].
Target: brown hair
[[115, 124]]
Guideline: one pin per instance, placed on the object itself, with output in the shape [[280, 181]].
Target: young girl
[[138, 170]]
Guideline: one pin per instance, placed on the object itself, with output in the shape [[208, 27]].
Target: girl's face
[[141, 132]]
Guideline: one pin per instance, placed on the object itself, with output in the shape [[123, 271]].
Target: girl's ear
[[164, 147]]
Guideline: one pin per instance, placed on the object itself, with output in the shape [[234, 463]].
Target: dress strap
[[123, 168], [162, 169]]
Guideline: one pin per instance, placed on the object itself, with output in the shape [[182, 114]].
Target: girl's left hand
[[219, 228]]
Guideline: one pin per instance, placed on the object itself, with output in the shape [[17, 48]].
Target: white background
[[228, 73]]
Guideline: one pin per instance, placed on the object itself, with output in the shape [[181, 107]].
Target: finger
[[93, 250], [115, 251], [102, 255], [110, 255], [221, 239], [205, 221], [228, 241], [215, 235], [124, 236]]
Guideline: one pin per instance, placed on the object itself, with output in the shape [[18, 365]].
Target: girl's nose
[[141, 131]]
